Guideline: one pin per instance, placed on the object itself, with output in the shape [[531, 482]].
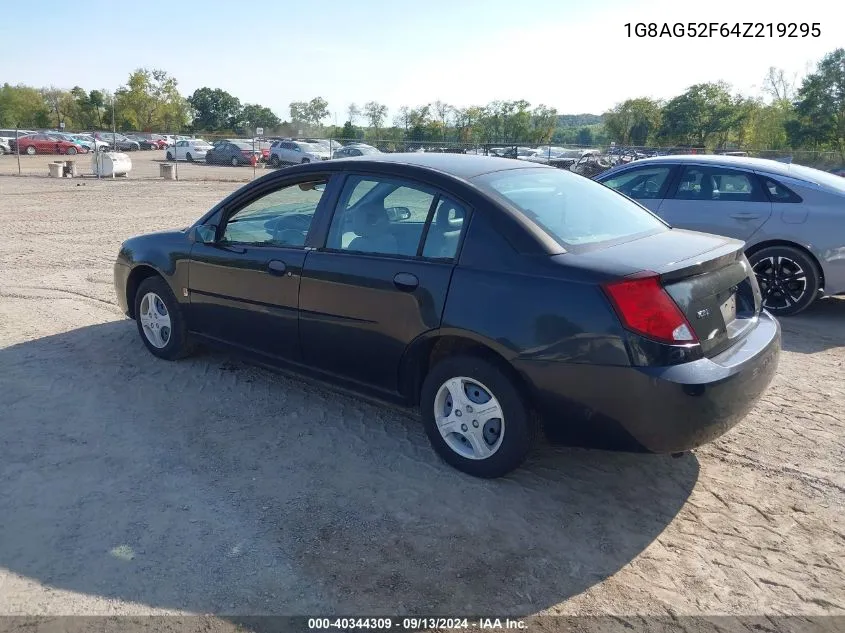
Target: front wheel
[[30, 150], [475, 417], [71, 151], [305, 161], [789, 279], [168, 156], [160, 321], [235, 161], [274, 161], [189, 158]]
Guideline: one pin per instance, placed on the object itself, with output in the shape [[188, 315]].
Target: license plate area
[[728, 309]]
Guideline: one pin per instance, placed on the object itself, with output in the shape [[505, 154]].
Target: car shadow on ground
[[216, 487], [816, 329]]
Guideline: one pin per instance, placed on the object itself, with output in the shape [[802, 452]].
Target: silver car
[[296, 152], [791, 217]]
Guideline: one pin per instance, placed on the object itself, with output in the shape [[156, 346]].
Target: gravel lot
[[133, 485]]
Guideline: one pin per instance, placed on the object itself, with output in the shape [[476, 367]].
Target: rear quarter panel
[[530, 307], [817, 224]]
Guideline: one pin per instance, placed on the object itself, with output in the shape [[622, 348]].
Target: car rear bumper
[[663, 409]]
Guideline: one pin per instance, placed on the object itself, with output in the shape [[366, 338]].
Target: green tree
[[23, 106], [375, 113], [353, 112], [348, 130], [700, 115], [150, 100], [214, 109], [253, 116], [585, 136], [633, 122], [820, 108], [543, 123]]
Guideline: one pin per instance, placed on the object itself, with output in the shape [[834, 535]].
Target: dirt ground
[[132, 485]]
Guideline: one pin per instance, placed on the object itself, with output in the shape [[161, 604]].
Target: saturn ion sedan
[[498, 296]]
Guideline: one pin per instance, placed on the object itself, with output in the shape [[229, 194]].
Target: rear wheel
[[30, 149], [235, 161], [160, 321], [168, 156], [274, 161], [475, 416], [788, 278], [305, 160]]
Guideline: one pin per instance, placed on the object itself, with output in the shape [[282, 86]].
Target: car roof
[[766, 165], [461, 165]]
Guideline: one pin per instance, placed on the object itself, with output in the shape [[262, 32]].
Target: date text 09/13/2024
[[723, 29]]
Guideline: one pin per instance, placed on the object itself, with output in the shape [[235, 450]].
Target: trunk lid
[[708, 277]]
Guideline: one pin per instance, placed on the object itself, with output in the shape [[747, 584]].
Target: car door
[[716, 199], [647, 184], [245, 272], [381, 278], [179, 150]]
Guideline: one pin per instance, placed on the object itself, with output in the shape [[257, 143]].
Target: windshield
[[572, 209], [816, 175], [367, 150]]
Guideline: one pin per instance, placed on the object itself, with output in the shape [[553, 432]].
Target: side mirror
[[398, 213], [206, 233]]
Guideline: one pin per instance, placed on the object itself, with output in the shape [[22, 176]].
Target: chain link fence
[[225, 157]]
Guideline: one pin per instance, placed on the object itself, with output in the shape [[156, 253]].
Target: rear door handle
[[745, 216], [276, 267], [406, 281]]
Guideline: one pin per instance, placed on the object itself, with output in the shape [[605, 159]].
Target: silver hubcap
[[783, 282], [155, 320], [469, 418]]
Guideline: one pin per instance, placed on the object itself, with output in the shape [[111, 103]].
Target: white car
[[4, 147], [7, 135], [296, 152], [189, 150]]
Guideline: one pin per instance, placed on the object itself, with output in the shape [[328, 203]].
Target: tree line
[[791, 114]]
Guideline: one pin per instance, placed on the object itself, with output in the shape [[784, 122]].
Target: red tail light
[[646, 308]]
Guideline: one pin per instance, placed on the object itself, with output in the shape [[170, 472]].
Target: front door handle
[[745, 216], [276, 267], [406, 281]]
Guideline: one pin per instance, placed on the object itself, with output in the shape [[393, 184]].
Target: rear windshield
[[573, 210], [242, 145]]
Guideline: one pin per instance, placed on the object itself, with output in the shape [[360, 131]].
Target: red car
[[45, 144]]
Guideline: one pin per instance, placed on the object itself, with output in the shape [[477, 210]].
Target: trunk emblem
[[703, 314]]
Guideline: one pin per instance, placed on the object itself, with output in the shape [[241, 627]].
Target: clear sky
[[573, 55]]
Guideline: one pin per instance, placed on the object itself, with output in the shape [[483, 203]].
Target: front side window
[[380, 216], [573, 210], [280, 218], [645, 183]]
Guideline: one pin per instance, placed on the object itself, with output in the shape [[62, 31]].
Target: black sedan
[[492, 293], [232, 153]]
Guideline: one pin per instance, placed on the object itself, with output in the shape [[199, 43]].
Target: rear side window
[[573, 210], [718, 184], [779, 192]]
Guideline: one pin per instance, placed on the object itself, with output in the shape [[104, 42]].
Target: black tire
[[30, 150], [305, 161], [178, 345], [274, 161], [235, 161], [189, 158], [70, 151], [789, 279], [520, 427], [168, 156]]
